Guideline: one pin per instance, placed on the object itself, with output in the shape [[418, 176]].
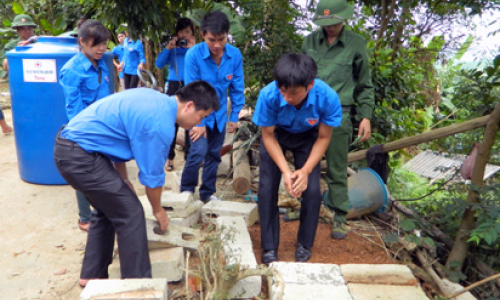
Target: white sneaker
[[213, 198]]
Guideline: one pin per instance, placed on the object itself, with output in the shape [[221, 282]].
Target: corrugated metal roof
[[436, 165]]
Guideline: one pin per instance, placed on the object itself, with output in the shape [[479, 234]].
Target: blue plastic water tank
[[38, 105]]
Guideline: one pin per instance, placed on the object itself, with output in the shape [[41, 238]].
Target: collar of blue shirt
[[86, 64], [206, 52], [311, 95]]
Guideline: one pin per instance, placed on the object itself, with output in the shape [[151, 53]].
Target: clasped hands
[[296, 182]]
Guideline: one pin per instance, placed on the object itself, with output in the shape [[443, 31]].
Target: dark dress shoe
[[268, 256], [302, 254]]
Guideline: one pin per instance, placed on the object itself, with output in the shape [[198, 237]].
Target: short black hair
[[184, 23], [123, 32], [215, 22], [201, 93], [93, 29], [295, 69]]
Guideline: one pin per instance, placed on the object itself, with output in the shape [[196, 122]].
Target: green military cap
[[331, 12], [22, 20]]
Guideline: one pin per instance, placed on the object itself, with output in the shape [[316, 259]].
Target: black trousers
[[173, 87], [116, 209], [270, 176], [131, 81]]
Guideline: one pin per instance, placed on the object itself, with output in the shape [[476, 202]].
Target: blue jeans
[[205, 150], [83, 207]]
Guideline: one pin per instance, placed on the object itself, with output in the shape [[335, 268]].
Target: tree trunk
[[401, 25], [385, 17], [241, 175], [459, 251], [158, 72], [424, 137]]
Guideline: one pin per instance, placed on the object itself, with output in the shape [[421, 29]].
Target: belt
[[65, 142], [346, 108]]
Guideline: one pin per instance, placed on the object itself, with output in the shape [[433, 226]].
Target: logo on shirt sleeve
[[229, 76], [312, 121]]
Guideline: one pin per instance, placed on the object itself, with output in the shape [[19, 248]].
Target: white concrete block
[[238, 250], [295, 291], [386, 274], [173, 213], [310, 281], [189, 221], [175, 183], [174, 236], [176, 201], [125, 289], [309, 273], [385, 292], [166, 263], [185, 212], [236, 229], [215, 209]]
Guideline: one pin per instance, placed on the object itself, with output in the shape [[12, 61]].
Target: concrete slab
[[311, 281], [236, 229], [309, 273], [184, 212], [238, 250], [191, 220], [175, 183], [175, 201], [166, 263], [215, 209], [125, 289], [385, 292], [316, 292], [387, 274], [174, 236]]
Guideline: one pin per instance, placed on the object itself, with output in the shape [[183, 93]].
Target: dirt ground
[[41, 247]]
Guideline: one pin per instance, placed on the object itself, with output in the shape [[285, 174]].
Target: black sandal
[[170, 166]]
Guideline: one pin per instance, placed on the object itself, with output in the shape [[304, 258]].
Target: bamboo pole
[[460, 248], [424, 137]]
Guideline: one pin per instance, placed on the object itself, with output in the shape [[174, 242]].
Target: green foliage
[[469, 93], [488, 216], [405, 85], [142, 18], [270, 30]]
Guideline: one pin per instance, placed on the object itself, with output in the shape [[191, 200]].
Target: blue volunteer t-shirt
[[118, 54], [199, 65], [133, 55], [322, 106], [134, 124], [80, 82], [175, 60]]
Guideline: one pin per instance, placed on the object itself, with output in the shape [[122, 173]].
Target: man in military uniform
[[343, 64], [25, 29]]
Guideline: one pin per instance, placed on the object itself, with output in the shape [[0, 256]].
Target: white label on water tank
[[39, 70]]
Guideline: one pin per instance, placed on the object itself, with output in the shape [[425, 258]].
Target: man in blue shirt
[[136, 124], [221, 65], [295, 112]]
